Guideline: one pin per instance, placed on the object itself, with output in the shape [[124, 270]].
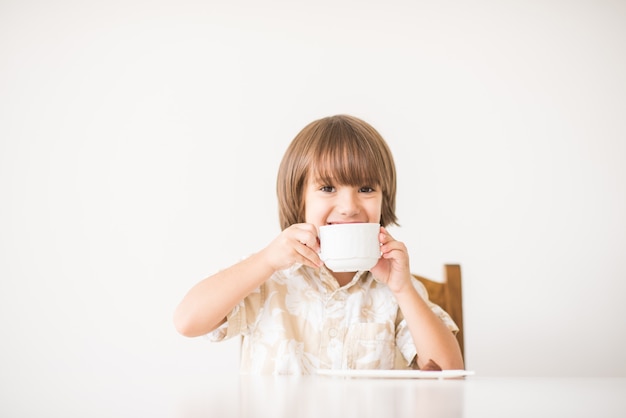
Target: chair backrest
[[449, 296]]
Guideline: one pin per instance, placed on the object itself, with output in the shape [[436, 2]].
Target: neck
[[343, 278]]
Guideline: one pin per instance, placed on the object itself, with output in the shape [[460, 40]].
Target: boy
[[295, 314]]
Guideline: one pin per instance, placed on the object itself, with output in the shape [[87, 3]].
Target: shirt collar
[[326, 275]]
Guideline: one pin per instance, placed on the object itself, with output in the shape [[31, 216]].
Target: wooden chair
[[449, 296]]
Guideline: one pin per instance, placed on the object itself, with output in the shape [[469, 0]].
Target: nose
[[348, 203]]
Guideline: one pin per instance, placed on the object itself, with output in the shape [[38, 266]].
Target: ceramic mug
[[350, 246]]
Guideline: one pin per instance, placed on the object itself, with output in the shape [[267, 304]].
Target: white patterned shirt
[[300, 320]]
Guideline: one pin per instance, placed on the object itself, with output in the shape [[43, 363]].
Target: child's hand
[[393, 266], [295, 244]]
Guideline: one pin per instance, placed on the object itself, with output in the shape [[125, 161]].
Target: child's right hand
[[298, 243]]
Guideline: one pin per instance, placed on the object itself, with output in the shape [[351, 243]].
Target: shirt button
[[332, 332]]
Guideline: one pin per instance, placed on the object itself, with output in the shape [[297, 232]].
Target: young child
[[295, 315]]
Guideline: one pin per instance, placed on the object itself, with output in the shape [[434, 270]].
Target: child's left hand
[[393, 266]]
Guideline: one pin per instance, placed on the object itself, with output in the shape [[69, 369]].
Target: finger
[[308, 239], [310, 257], [390, 247], [384, 236]]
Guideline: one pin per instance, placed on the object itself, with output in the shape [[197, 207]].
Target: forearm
[[433, 340], [206, 305]]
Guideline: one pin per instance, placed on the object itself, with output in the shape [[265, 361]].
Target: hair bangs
[[346, 160]]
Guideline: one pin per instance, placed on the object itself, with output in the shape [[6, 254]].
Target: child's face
[[335, 203]]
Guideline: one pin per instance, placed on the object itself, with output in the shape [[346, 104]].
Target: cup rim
[[348, 224]]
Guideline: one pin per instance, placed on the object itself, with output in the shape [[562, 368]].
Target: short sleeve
[[240, 318], [404, 340], [443, 315], [231, 327]]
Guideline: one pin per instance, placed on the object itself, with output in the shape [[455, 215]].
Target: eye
[[366, 189], [327, 189]]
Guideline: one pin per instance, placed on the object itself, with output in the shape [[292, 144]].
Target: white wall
[[139, 143]]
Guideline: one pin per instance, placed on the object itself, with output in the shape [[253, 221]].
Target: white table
[[480, 397], [224, 396]]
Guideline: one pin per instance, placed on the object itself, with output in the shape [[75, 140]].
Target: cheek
[[309, 209], [315, 211], [374, 210]]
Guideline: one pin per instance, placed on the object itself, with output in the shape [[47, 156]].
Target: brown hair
[[342, 148]]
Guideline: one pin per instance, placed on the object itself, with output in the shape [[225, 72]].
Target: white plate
[[396, 374]]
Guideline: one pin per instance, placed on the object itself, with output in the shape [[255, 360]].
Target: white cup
[[350, 247]]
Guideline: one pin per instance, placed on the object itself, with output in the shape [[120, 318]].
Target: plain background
[[139, 144]]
